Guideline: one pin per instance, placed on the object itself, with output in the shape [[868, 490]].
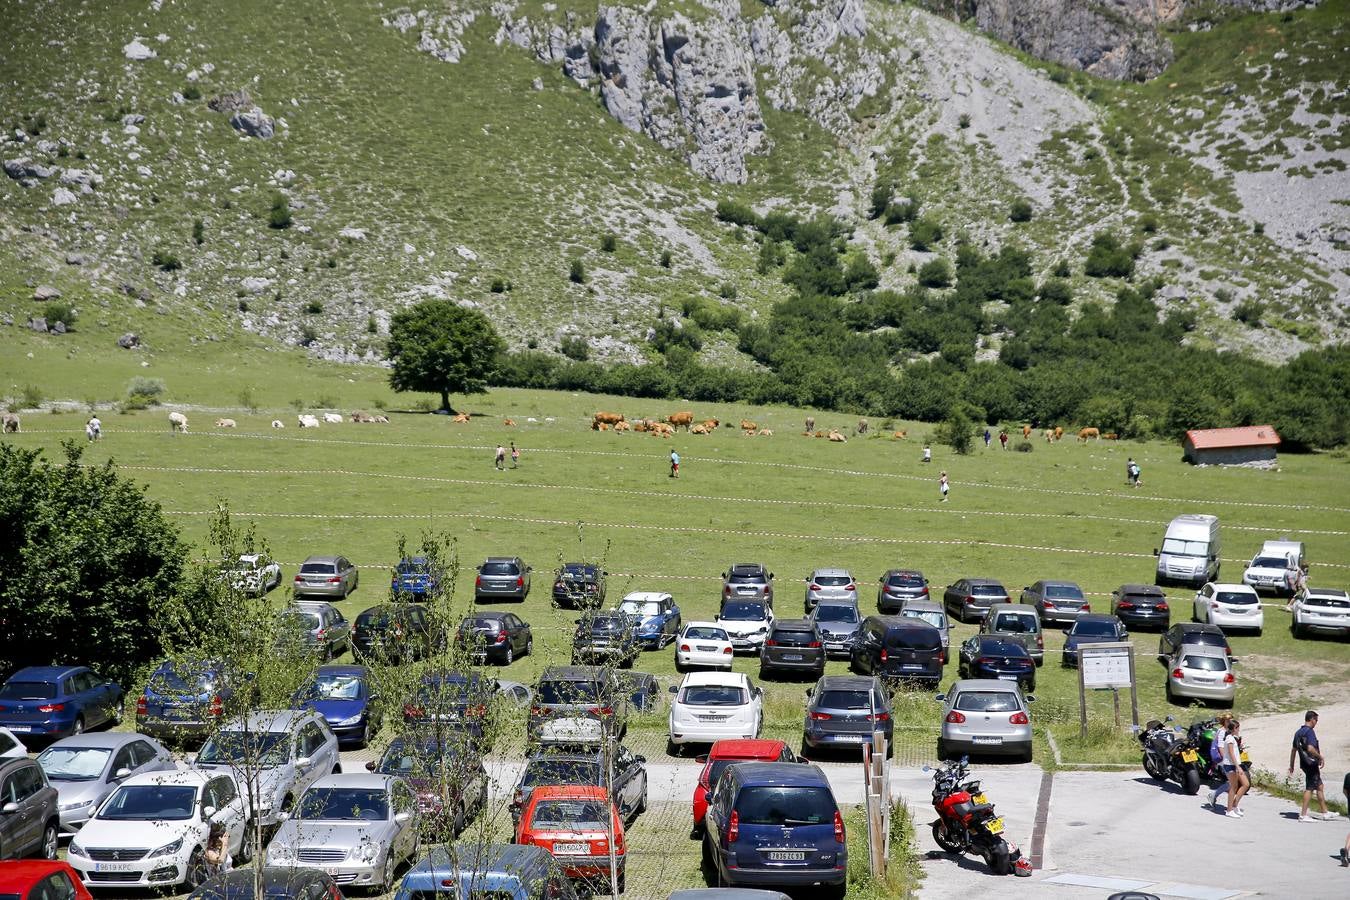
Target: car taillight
[[839, 827], [726, 590], [602, 710], [520, 582], [335, 580], [956, 718], [538, 711], [1086, 607], [600, 845], [850, 587], [985, 661], [1040, 641], [726, 651], [299, 578], [142, 705], [478, 581], [815, 587], [1162, 607], [880, 717], [1213, 605], [51, 707], [1125, 604], [684, 648], [217, 706], [814, 645], [1019, 718], [770, 642], [969, 600], [821, 717], [323, 633], [733, 827], [1048, 603], [1229, 679], [500, 639], [479, 710], [883, 654], [1177, 673]]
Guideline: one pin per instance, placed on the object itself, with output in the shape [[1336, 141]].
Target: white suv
[[1321, 609], [285, 750], [711, 706]]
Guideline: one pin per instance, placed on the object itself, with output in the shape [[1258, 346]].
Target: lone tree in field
[[439, 347]]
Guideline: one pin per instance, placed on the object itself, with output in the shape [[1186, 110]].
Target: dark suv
[[748, 581], [844, 711], [792, 645], [29, 824], [775, 824], [605, 637], [189, 698], [395, 633], [970, 598], [576, 705], [900, 648], [579, 586], [463, 702], [502, 578], [1141, 604], [898, 586]]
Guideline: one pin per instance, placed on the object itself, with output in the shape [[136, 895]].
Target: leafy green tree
[[957, 430], [441, 347], [935, 273]]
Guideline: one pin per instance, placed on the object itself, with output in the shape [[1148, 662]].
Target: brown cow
[[747, 425], [461, 418], [642, 425], [810, 424], [862, 426], [622, 426], [609, 418], [601, 426], [1089, 434], [1026, 431], [1059, 432], [1110, 436], [819, 434], [711, 424], [681, 419], [897, 436], [509, 423], [360, 416], [699, 429], [837, 437]]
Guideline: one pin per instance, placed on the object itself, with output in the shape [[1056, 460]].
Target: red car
[[723, 754], [570, 822], [41, 879]]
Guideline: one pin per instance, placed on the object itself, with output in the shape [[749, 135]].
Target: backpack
[[1216, 747]]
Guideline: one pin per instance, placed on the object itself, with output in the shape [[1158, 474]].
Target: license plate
[[1189, 756], [792, 657], [114, 867], [988, 740], [22, 729], [705, 649], [1007, 678], [571, 849], [787, 855], [332, 871], [995, 826], [712, 718], [979, 798]]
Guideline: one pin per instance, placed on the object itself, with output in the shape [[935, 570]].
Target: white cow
[[277, 423], [225, 423], [308, 421], [178, 422], [333, 418]]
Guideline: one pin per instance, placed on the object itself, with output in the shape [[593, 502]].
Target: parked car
[[278, 883], [579, 586], [970, 598], [347, 699], [151, 833], [416, 578], [253, 573], [996, 657], [86, 768], [1270, 568], [830, 584], [1056, 601], [318, 626], [286, 750], [641, 689], [1015, 622], [1092, 628], [605, 637], [1191, 633], [496, 871], [462, 700], [843, 711], [711, 706], [747, 623], [396, 633], [1201, 672], [44, 703], [475, 869], [10, 746], [982, 715], [792, 645], [719, 893], [576, 705], [31, 826], [838, 622], [899, 586], [357, 828], [185, 699], [1139, 605], [727, 753], [497, 637], [449, 780], [628, 789], [41, 879], [748, 581], [1190, 551], [580, 826], [654, 615], [903, 649], [325, 576], [703, 644], [1321, 610], [931, 613], [1229, 606], [776, 824], [502, 578]]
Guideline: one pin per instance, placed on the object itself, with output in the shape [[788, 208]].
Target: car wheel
[[367, 732], [460, 819], [49, 841], [642, 801], [196, 871], [246, 845], [673, 749], [1171, 697], [116, 713], [509, 658], [390, 865], [529, 646], [78, 728], [941, 750]]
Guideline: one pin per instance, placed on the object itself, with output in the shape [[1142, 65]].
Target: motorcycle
[[1201, 735], [966, 821], [1170, 754]]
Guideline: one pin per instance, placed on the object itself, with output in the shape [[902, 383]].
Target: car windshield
[[248, 565], [318, 568], [905, 579], [186, 679], [768, 805], [1178, 547], [1208, 638], [417, 760], [499, 568], [1063, 592], [299, 620], [986, 701], [333, 687], [746, 577], [74, 763], [27, 690], [265, 748], [566, 692], [578, 572], [561, 771], [1205, 663], [836, 612], [569, 815], [150, 802], [914, 638], [705, 633], [643, 608], [1269, 562], [606, 623], [379, 618], [1236, 598], [1328, 601], [742, 611], [988, 590], [1012, 623], [453, 690], [343, 804], [930, 616], [847, 700], [414, 567], [481, 624], [1088, 628], [713, 695], [832, 580]]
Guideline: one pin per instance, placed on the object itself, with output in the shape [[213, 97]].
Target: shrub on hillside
[[1249, 312], [737, 213], [574, 346], [956, 431], [906, 209], [192, 92], [577, 273], [58, 311], [924, 233], [498, 285], [166, 259], [609, 242], [280, 215], [1056, 290], [198, 232], [666, 258], [313, 308], [727, 290], [936, 274], [771, 256], [1108, 259], [881, 198], [1020, 210]]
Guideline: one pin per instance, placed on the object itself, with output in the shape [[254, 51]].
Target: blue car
[[343, 695], [416, 577], [187, 699], [775, 825], [45, 703], [654, 616], [474, 869]]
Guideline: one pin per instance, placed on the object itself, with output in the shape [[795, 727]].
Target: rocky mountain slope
[[180, 170]]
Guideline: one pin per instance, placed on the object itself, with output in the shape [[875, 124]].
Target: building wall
[[1229, 456]]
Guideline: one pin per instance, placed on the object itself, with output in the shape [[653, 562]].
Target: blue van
[[776, 824], [498, 871]]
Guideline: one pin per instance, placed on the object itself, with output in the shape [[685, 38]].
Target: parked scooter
[[1170, 754], [966, 821]]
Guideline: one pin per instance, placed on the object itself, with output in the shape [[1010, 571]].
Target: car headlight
[[76, 850], [78, 804], [350, 720], [280, 853], [367, 852], [167, 849]]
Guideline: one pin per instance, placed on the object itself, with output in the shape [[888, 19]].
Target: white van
[[1190, 551], [1269, 568]]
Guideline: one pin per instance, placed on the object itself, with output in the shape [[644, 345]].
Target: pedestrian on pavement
[[1003, 439], [1310, 759], [1238, 784], [1345, 851], [1216, 756], [93, 429], [500, 458], [943, 486], [674, 464], [927, 453], [987, 438], [515, 456]]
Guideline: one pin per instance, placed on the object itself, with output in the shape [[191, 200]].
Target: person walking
[[674, 464], [987, 438], [93, 429], [515, 456], [1310, 759], [927, 453], [943, 486], [500, 458], [1216, 757], [1003, 439], [1238, 784], [1132, 472]]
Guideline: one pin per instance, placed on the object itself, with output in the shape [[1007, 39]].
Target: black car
[[792, 645], [456, 699], [495, 637], [1141, 604], [587, 767], [1192, 633], [605, 637], [278, 883], [395, 633], [970, 598], [899, 585], [844, 710], [579, 586], [899, 648], [1092, 629], [994, 656]]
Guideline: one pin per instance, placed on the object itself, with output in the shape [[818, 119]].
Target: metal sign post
[[1106, 666]]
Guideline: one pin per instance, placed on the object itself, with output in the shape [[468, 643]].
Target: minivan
[[898, 648], [1190, 551]]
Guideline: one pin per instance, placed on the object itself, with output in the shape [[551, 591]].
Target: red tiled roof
[[1250, 436]]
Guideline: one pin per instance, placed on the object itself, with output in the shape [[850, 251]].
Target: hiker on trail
[[674, 464], [1310, 759], [1003, 439], [500, 458], [987, 438], [93, 429], [943, 486], [515, 456]]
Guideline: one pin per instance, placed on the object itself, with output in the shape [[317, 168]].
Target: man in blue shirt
[[674, 464], [1309, 756]]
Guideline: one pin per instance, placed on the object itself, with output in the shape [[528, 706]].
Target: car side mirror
[[404, 816], [9, 808], [208, 812], [771, 576], [1155, 551], [371, 766], [121, 773], [1065, 630], [941, 698], [707, 798], [1031, 698], [673, 689], [284, 815], [303, 761]]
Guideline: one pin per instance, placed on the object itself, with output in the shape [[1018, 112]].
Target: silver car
[[357, 828], [1201, 672], [932, 613], [325, 576], [830, 584], [837, 621], [86, 768], [983, 715], [319, 624], [503, 578]]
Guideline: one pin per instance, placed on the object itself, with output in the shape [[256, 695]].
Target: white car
[[10, 746], [704, 644], [254, 573], [747, 623], [151, 832], [711, 706], [1322, 609], [1229, 606]]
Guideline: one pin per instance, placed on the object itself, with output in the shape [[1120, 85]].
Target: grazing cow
[[1059, 432], [810, 424], [862, 426], [461, 418], [305, 420], [380, 420], [1049, 436], [747, 425], [609, 418], [642, 425], [363, 417], [711, 424], [225, 423], [837, 437], [178, 422], [509, 423], [602, 426], [1089, 434], [622, 426], [699, 429], [683, 420], [664, 429], [1026, 432], [819, 434], [766, 432], [333, 418], [1110, 436], [12, 424], [277, 423], [899, 435]]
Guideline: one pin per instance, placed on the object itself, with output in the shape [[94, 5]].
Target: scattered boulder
[[38, 323], [255, 284], [58, 328], [138, 51], [352, 234], [62, 197], [133, 119], [46, 292], [76, 259], [129, 341], [231, 102], [254, 123], [83, 178]]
